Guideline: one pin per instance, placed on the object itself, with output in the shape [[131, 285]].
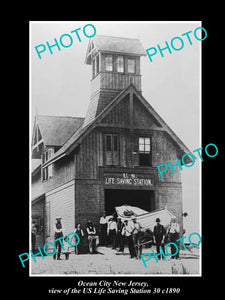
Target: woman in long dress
[[91, 232], [79, 231]]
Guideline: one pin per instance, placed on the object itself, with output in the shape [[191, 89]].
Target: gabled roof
[[97, 103], [35, 165], [55, 131], [112, 44], [76, 138]]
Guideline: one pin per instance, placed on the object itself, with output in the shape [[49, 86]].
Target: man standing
[[57, 235], [129, 228], [112, 231], [103, 229], [159, 235], [136, 233], [120, 235]]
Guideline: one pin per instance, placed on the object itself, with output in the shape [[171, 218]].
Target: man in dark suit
[[159, 235], [120, 236]]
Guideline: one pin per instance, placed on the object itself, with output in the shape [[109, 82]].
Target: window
[[108, 63], [144, 151], [144, 144], [119, 64], [47, 172], [130, 65], [111, 149]]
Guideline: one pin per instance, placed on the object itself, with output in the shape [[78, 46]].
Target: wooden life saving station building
[[83, 166]]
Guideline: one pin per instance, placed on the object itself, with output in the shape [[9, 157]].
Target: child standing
[[67, 248]]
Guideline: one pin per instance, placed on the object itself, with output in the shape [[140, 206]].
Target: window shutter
[[50, 174], [135, 152], [42, 171]]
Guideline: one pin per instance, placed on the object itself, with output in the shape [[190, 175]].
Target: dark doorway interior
[[141, 198]]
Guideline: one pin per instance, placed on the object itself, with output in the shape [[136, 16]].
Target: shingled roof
[[56, 130], [116, 44]]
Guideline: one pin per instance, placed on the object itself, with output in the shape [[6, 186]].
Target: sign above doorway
[[131, 179]]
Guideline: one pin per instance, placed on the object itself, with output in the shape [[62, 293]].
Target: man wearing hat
[[136, 233], [129, 228], [159, 233]]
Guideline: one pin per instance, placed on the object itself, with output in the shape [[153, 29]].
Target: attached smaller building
[[49, 134]]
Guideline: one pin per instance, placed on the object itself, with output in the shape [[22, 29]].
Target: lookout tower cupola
[[115, 65]]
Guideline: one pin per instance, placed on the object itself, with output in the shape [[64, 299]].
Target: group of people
[[115, 232], [163, 236], [79, 248]]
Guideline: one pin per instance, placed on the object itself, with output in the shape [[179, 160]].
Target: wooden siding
[[142, 117], [119, 81], [38, 188], [170, 196], [86, 159], [88, 207], [164, 150], [62, 204], [119, 115]]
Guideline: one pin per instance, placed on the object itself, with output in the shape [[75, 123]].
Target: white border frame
[[200, 169]]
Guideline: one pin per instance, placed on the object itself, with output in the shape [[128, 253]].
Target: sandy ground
[[109, 261]]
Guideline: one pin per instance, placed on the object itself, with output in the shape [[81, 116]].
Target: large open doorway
[[140, 198]]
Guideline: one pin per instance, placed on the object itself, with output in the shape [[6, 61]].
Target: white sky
[[60, 83]]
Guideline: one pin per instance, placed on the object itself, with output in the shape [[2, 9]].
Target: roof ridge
[[120, 37], [60, 116]]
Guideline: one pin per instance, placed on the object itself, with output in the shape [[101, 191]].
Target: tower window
[[119, 64], [108, 63], [144, 151], [131, 65]]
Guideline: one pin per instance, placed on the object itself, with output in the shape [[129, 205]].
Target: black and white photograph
[[115, 148]]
